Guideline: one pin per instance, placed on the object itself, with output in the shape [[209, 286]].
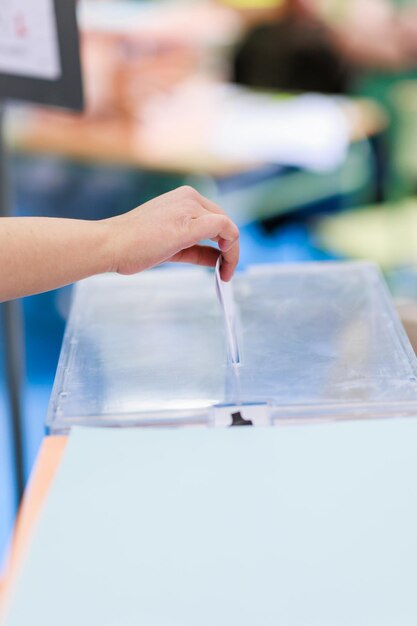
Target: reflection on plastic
[[317, 341]]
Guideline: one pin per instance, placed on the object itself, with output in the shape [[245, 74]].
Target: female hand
[[170, 228]]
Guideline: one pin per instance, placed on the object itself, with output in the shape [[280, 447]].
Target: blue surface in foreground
[[298, 525]]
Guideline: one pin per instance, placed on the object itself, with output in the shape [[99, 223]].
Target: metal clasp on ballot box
[[245, 414]]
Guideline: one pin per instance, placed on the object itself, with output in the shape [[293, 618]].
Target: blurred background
[[299, 117]]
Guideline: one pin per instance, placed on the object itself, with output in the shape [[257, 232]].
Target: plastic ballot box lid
[[316, 341]]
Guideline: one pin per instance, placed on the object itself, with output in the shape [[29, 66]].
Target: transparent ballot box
[[316, 341]]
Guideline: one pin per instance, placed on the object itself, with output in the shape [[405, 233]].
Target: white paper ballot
[[225, 295], [29, 39]]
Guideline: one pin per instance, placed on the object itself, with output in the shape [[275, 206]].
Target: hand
[[169, 228]]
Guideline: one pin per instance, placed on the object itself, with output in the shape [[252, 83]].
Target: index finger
[[216, 226], [211, 206]]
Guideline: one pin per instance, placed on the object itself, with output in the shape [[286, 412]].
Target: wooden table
[[179, 147], [113, 141]]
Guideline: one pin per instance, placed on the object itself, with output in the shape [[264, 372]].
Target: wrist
[[105, 246]]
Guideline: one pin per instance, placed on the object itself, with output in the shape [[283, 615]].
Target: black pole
[[13, 341]]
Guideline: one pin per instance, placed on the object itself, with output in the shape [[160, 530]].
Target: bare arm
[[38, 254]]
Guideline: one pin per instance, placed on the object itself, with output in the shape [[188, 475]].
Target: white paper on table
[[29, 39], [227, 303], [309, 131]]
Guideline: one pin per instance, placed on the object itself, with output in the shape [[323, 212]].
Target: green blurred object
[[289, 191], [404, 102], [382, 86], [396, 93]]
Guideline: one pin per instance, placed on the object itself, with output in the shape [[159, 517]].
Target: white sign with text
[[29, 39]]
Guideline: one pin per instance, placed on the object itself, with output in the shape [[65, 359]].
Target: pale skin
[[38, 254]]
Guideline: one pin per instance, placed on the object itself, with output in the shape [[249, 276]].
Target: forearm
[[38, 254]]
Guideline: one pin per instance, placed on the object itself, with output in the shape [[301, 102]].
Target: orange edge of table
[[47, 464]]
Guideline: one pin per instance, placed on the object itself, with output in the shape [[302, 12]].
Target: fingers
[[197, 255], [212, 226], [210, 206], [189, 193], [228, 267], [203, 219]]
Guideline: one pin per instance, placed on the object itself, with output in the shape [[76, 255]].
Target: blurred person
[[39, 254], [121, 72], [290, 50], [322, 45], [149, 52]]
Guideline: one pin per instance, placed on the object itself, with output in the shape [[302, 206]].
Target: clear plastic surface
[[317, 341]]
